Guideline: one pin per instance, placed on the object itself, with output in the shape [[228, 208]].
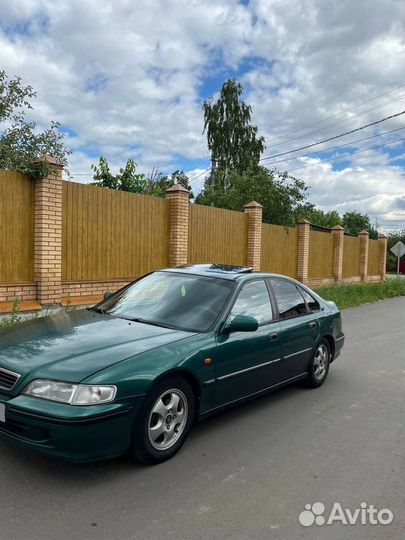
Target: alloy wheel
[[321, 360], [167, 419]]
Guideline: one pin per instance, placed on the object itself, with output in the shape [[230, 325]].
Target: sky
[[128, 78]]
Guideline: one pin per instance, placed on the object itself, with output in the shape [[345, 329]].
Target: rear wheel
[[319, 365], [164, 421]]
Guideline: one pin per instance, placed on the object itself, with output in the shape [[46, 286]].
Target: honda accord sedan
[[135, 372]]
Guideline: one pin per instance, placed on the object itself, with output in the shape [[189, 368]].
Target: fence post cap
[[253, 204], [177, 188], [304, 221], [364, 233], [382, 235], [337, 228], [50, 160]]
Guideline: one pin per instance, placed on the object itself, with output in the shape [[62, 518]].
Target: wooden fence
[[106, 238], [217, 235], [320, 255], [16, 227], [373, 257], [351, 256], [108, 234], [279, 250]]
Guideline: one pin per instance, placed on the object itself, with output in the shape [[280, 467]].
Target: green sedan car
[[135, 372]]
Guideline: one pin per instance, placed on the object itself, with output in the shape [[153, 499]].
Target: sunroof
[[222, 268]]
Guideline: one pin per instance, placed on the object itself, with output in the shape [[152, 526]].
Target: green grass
[[349, 295]]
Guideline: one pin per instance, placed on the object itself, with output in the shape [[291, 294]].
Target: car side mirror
[[108, 295], [242, 323]]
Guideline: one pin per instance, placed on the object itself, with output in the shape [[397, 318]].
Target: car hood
[[73, 346]]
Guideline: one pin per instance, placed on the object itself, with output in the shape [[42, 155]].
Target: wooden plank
[[25, 305]]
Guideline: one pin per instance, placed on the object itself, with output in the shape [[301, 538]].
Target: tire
[[319, 366], [164, 421]]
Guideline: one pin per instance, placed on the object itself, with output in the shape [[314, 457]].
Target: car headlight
[[74, 394]]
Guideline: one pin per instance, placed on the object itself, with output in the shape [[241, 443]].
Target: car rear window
[[289, 299]]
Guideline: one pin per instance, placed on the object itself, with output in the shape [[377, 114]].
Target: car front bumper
[[73, 433]]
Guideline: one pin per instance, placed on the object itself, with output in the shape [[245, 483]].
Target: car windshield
[[173, 300]]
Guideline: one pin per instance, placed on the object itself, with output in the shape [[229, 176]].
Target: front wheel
[[319, 365], [164, 421]]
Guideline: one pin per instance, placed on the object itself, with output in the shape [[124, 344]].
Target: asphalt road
[[248, 473]]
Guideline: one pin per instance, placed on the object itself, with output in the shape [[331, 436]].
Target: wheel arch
[[329, 338], [189, 377]]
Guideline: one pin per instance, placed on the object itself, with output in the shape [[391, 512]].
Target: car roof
[[223, 271]]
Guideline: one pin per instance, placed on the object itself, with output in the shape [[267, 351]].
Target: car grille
[[8, 379]]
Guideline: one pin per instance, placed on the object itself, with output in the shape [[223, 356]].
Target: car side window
[[253, 300], [289, 299], [310, 300]]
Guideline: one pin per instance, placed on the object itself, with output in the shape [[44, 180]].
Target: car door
[[299, 328], [246, 362]]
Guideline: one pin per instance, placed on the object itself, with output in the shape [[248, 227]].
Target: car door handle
[[312, 324], [273, 336]]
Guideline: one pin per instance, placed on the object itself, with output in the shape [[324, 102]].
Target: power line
[[340, 158], [325, 150], [314, 144], [342, 121], [335, 137], [198, 175], [344, 110], [286, 139], [339, 146]]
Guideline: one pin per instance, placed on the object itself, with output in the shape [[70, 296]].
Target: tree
[[126, 180], [354, 222], [317, 216], [21, 143], [160, 183], [279, 194], [232, 139]]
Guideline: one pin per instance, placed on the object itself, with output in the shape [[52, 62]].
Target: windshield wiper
[[98, 310], [146, 321]]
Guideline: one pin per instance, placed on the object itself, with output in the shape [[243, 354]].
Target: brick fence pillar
[[382, 239], [303, 250], [179, 216], [339, 238], [48, 234], [254, 213], [363, 235]]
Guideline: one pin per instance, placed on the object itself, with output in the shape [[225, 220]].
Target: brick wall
[[254, 212], [10, 291], [48, 236], [71, 289], [179, 218]]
